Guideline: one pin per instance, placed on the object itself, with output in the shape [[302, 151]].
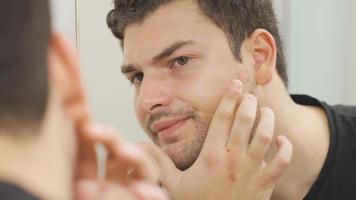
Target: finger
[[169, 174], [87, 190], [68, 56], [261, 142], [243, 124], [280, 162], [87, 165], [116, 166], [144, 191], [104, 135], [140, 164], [123, 158], [223, 118], [115, 192]]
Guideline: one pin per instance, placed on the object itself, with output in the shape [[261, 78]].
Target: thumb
[[169, 174]]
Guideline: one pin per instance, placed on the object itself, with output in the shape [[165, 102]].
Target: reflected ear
[[65, 78], [264, 55]]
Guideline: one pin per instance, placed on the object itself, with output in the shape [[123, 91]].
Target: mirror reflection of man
[[47, 137], [190, 59]]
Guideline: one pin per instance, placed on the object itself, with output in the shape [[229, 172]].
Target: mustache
[[186, 112]]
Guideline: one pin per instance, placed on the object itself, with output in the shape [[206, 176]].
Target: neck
[[307, 129], [39, 163]]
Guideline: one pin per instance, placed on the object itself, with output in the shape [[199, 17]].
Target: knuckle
[[225, 113], [249, 97], [274, 176], [245, 117], [264, 139], [283, 162], [210, 160], [233, 95], [255, 155]]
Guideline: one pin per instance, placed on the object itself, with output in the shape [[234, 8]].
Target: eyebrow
[[125, 69], [170, 50]]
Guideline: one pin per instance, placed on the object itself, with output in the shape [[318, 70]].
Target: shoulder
[[345, 115], [344, 110], [12, 192]]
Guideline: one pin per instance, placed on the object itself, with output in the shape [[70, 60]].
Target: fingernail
[[236, 84], [267, 110]]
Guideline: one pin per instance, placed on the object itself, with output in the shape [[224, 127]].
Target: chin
[[186, 151], [183, 154]]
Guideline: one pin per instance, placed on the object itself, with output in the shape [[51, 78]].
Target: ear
[[65, 79], [264, 54]]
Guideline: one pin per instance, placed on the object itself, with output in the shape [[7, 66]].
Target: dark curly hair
[[237, 18]]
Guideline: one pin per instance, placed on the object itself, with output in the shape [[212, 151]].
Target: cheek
[[204, 91], [208, 97], [138, 112]]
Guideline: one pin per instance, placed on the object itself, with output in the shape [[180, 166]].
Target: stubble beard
[[186, 152]]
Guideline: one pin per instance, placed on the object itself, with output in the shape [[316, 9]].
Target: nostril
[[155, 106], [152, 98]]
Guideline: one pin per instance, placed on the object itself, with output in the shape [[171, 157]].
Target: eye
[[180, 61], [136, 78]]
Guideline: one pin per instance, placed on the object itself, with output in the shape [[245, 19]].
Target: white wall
[[320, 49], [110, 94], [63, 18], [318, 38]]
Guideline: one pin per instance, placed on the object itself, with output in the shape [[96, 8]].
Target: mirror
[[319, 43]]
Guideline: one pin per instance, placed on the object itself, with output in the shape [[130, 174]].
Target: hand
[[229, 166], [122, 159]]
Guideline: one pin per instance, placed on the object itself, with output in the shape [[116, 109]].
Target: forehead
[[176, 21]]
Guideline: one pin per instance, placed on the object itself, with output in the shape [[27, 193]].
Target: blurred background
[[320, 41], [64, 18], [319, 38]]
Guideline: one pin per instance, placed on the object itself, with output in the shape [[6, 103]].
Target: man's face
[[180, 64]]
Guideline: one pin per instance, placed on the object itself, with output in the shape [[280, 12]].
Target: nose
[[154, 95]]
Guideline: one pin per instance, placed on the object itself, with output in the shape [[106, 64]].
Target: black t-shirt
[[337, 178], [12, 192]]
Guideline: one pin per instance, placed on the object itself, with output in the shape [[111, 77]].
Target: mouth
[[167, 129]]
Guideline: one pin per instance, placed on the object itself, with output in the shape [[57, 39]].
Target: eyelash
[[132, 78], [171, 63]]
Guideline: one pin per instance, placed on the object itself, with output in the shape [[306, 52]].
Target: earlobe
[[264, 55], [65, 78]]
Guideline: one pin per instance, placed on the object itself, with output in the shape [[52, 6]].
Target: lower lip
[[171, 132]]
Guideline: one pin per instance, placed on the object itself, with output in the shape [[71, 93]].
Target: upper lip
[[164, 124]]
